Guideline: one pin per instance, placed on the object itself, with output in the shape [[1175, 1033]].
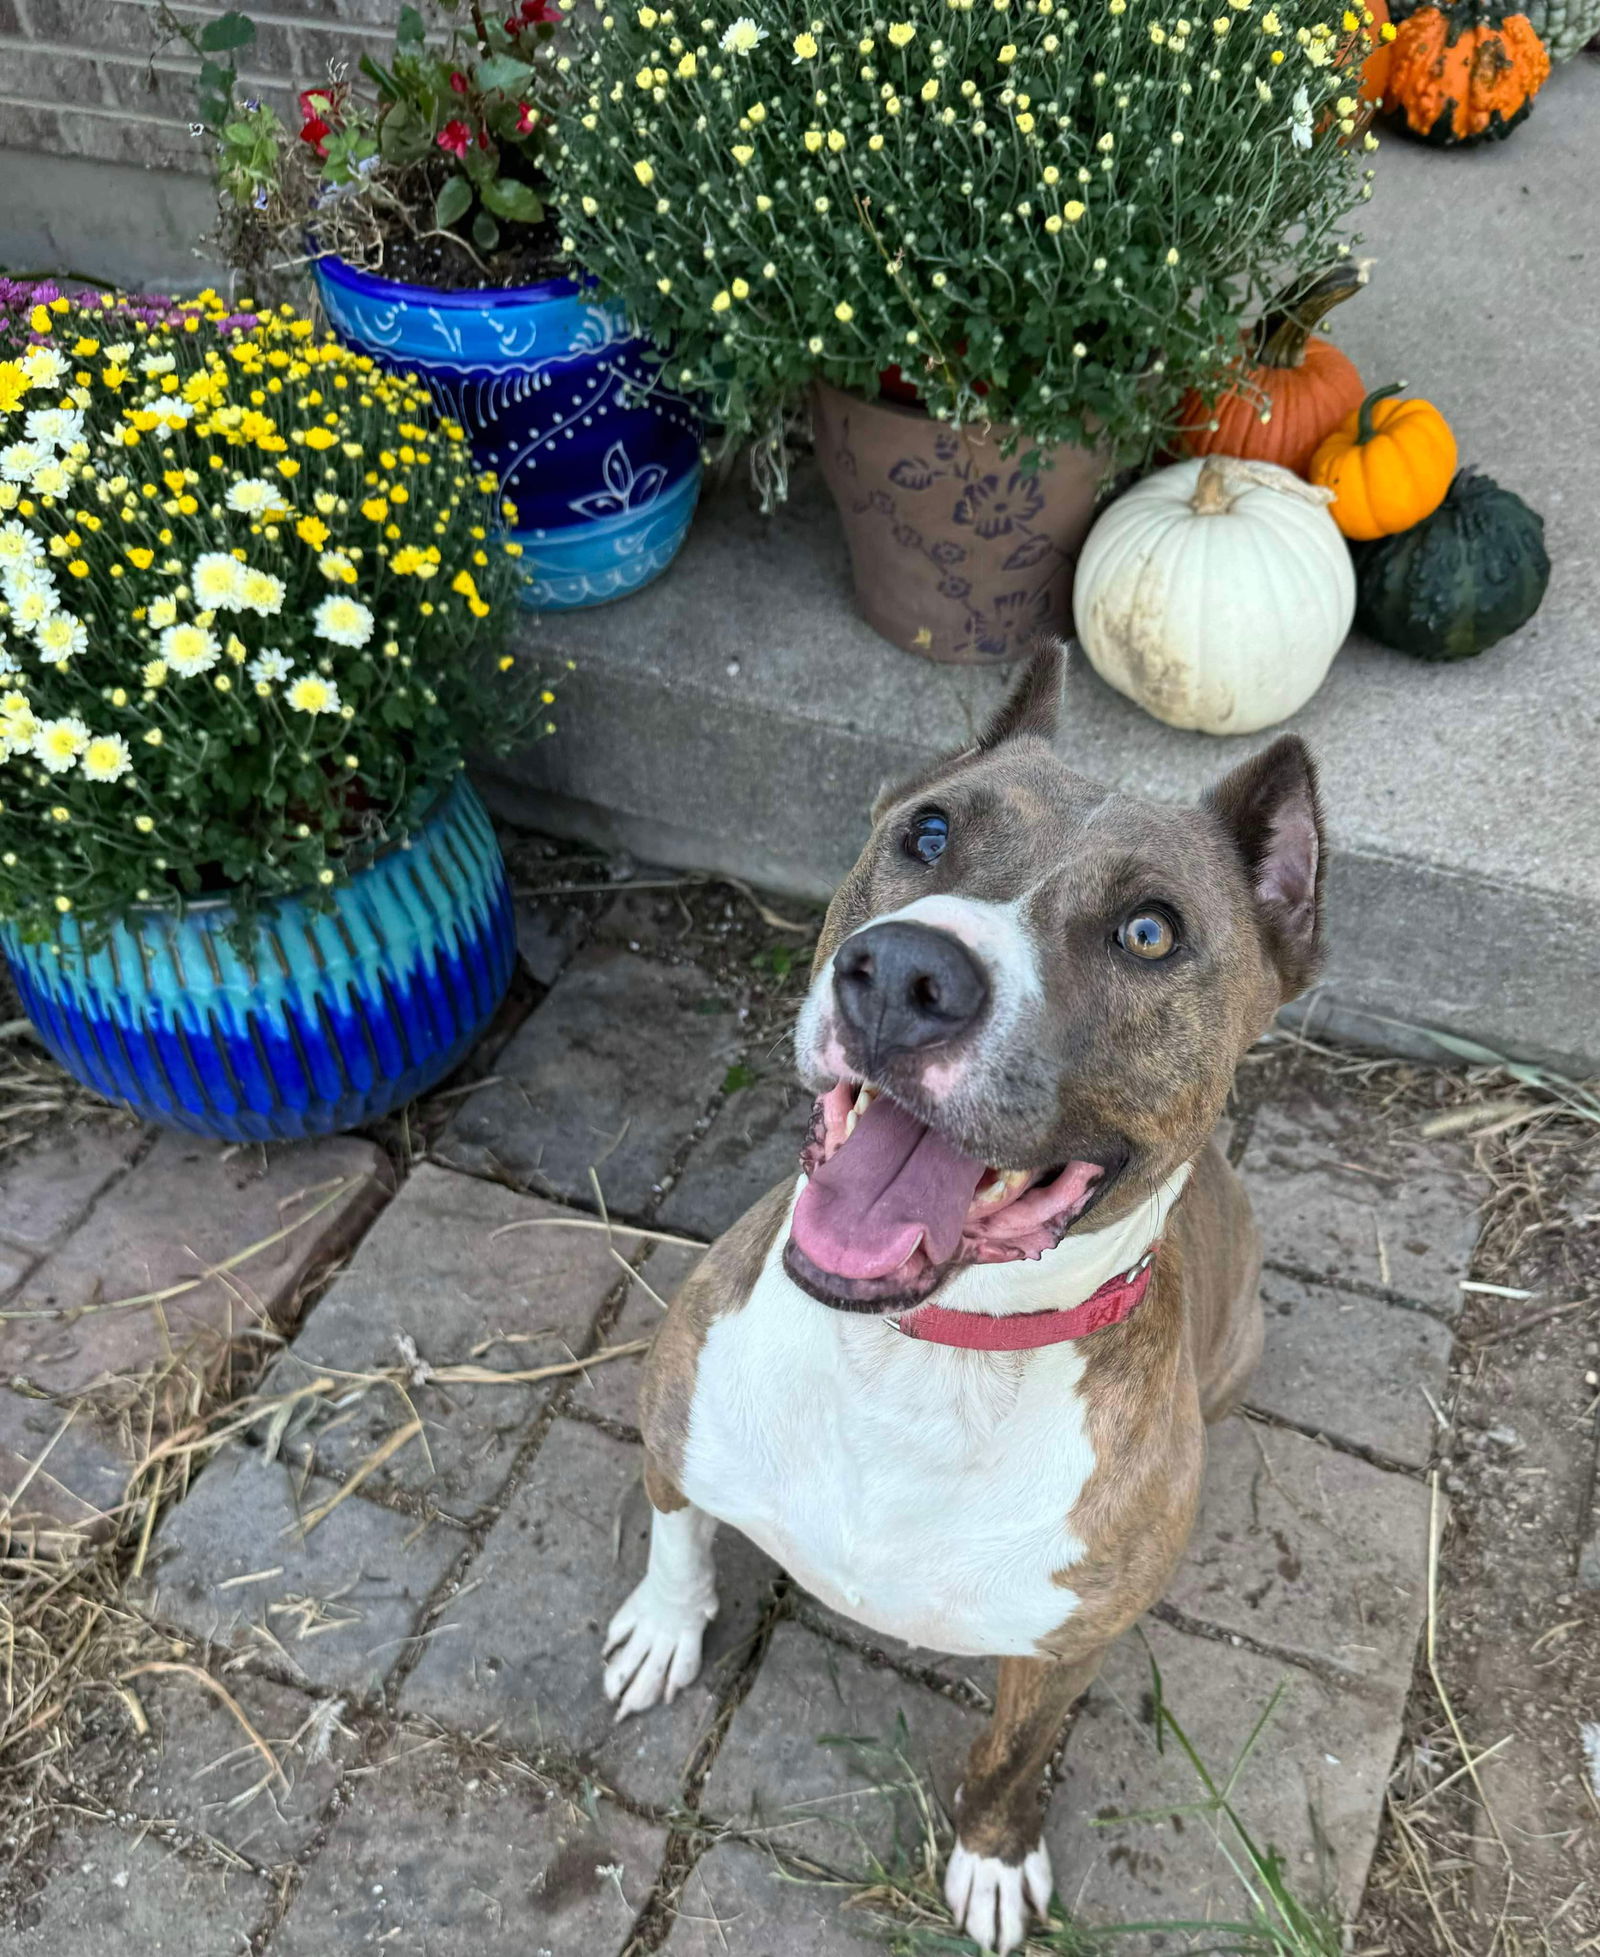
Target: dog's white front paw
[[652, 1649], [990, 1899]]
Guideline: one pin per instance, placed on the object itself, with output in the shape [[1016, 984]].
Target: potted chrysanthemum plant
[[416, 186], [995, 241], [252, 617]]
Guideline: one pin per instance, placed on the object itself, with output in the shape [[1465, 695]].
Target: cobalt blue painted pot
[[325, 1020], [562, 401]]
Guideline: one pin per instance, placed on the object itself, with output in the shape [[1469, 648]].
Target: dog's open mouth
[[891, 1206]]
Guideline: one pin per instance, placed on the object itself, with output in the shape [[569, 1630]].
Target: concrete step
[[738, 715]]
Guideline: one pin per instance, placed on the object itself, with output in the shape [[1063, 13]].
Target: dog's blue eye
[[927, 836], [1148, 934]]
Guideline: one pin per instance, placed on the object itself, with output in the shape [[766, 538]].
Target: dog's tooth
[[1005, 1183], [850, 1121], [865, 1098]]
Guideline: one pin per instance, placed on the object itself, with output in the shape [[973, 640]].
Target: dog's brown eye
[[927, 836], [1148, 934]]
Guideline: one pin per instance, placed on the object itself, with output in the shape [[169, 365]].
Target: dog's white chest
[[924, 1492]]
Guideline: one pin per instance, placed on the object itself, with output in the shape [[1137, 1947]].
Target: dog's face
[[1029, 1000]]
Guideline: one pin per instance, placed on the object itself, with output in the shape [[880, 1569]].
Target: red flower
[[455, 137], [526, 118], [458, 82], [540, 13], [316, 132], [321, 108]]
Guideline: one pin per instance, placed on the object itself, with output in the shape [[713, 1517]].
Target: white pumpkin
[[1215, 594]]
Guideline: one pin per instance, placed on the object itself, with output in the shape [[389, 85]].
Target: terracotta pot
[[959, 553]]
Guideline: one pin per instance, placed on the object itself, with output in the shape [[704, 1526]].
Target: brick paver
[[434, 1861], [195, 1768], [45, 1190], [457, 1271], [754, 1141], [738, 1899], [519, 1650], [110, 1893], [233, 1566], [1357, 1368], [607, 1074], [612, 1390], [1340, 1200]]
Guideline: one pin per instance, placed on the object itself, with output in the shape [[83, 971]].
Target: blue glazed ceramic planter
[[333, 1018], [556, 396]]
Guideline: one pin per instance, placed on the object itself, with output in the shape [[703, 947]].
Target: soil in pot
[[959, 551]]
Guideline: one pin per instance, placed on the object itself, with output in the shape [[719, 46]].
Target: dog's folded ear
[[1033, 706], [1270, 809]]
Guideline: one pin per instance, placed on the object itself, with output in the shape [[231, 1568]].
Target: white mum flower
[[43, 366], [309, 694], [170, 411], [344, 621], [158, 363], [189, 649], [218, 581], [33, 599], [18, 725], [254, 495], [120, 354], [60, 427], [1300, 126], [107, 758], [61, 636], [261, 592], [51, 479], [58, 743], [270, 665], [18, 545], [741, 35], [19, 460]]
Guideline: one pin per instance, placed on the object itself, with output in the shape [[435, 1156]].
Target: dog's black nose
[[905, 986]]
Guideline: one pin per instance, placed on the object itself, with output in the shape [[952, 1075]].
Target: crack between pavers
[[653, 1921], [1337, 1677], [959, 1691], [1357, 1450], [1358, 1287]]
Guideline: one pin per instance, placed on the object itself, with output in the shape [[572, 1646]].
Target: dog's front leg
[[652, 1647], [1000, 1865]]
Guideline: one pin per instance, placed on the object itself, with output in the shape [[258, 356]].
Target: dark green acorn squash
[[1457, 582]]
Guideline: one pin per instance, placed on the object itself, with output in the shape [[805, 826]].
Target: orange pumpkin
[[1375, 70], [1292, 389], [1464, 72], [1388, 465]]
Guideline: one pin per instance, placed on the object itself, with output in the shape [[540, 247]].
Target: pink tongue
[[894, 1181]]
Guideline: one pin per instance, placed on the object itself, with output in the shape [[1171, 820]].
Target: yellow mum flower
[[930, 90], [375, 509], [742, 153], [320, 438], [687, 67], [844, 312], [901, 33], [1073, 211], [805, 46], [310, 530], [836, 140], [813, 140], [140, 558], [721, 302], [645, 172], [462, 584]]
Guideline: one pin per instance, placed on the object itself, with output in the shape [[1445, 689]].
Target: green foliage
[[1053, 217], [451, 132]]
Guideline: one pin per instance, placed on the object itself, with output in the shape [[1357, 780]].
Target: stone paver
[[1310, 1550], [196, 1768], [607, 1073], [547, 934], [434, 1279], [233, 1565], [1324, 1753], [1331, 1207], [45, 1190], [787, 1771], [110, 1894], [737, 1900], [1357, 1368], [612, 1390], [754, 1141], [432, 1861], [57, 1487], [189, 1206], [519, 1650]]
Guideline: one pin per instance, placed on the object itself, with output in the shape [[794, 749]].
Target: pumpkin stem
[[1282, 332], [1223, 479], [1364, 428]]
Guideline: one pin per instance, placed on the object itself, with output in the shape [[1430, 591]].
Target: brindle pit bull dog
[[955, 1378]]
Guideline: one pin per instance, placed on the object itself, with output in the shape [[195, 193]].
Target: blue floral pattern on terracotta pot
[[601, 459], [320, 1020]]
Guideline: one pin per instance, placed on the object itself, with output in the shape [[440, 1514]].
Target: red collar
[[1118, 1298]]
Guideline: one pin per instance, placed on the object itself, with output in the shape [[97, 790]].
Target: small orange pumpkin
[[1292, 389], [1388, 465], [1376, 69], [1464, 72]]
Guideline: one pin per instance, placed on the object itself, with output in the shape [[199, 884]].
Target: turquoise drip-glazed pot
[[324, 1019], [562, 402]]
